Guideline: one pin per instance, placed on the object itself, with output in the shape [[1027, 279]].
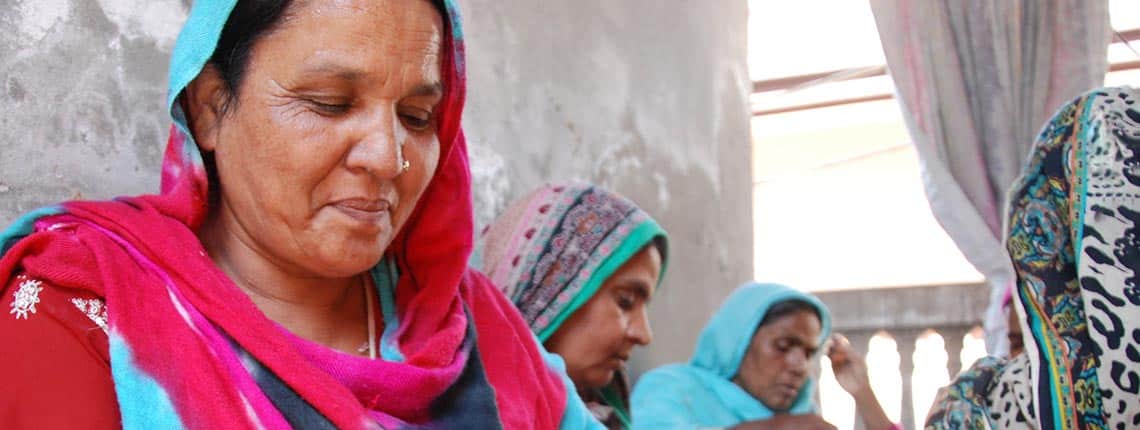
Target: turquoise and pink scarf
[[189, 350]]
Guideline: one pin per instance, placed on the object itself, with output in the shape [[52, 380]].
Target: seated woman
[[305, 264], [581, 264], [751, 369], [1073, 239]]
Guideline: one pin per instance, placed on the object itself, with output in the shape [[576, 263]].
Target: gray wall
[[82, 84], [647, 97]]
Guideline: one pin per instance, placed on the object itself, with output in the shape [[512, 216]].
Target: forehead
[[645, 265], [802, 325], [360, 34]]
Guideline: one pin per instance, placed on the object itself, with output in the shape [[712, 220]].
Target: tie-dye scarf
[[189, 350], [1074, 239], [551, 250]]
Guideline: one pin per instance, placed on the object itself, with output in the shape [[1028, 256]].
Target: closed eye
[[416, 119], [625, 301], [414, 122], [329, 108]]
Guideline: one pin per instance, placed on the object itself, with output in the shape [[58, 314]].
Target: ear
[[204, 104]]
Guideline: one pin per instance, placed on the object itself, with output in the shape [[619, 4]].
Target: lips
[[365, 210], [618, 360], [789, 390]]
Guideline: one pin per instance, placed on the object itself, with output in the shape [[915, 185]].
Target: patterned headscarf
[[552, 250], [189, 349], [1074, 238]]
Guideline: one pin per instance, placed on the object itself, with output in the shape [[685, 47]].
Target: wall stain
[[16, 91]]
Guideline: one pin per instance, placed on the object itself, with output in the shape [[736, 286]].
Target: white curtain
[[976, 80]]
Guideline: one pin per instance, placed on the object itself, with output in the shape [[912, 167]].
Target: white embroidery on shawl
[[26, 298], [94, 309]]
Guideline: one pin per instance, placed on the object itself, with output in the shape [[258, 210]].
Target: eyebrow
[[796, 341], [348, 74], [353, 75], [428, 90], [637, 287]]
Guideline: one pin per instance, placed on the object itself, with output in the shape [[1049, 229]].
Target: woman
[[581, 264], [751, 369], [305, 263], [1072, 237]]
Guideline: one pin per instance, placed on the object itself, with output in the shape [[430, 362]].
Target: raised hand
[[849, 367], [851, 372]]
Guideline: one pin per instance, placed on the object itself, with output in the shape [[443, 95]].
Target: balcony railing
[[907, 315]]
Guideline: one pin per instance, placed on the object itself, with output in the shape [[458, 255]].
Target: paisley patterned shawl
[[1074, 237]]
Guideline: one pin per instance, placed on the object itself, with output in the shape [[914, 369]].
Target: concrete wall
[[82, 83], [648, 97]]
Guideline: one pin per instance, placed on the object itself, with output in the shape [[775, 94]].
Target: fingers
[[837, 348], [841, 341]]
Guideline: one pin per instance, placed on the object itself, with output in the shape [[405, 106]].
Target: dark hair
[[788, 307], [248, 22], [662, 245]]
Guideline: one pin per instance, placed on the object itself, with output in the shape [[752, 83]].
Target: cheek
[[284, 156], [423, 155], [768, 363], [608, 322], [428, 152], [588, 336]]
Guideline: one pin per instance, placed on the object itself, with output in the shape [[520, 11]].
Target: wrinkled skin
[[309, 152]]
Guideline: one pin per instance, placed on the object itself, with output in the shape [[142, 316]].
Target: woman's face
[[310, 153], [776, 364], [597, 339]]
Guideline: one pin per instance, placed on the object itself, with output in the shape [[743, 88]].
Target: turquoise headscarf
[[701, 393]]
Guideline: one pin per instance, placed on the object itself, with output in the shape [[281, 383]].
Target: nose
[[797, 361], [639, 330], [376, 145]]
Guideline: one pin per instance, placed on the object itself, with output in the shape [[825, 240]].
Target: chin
[[778, 406], [347, 262], [341, 269], [598, 381]]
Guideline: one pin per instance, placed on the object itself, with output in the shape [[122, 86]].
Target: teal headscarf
[[701, 393]]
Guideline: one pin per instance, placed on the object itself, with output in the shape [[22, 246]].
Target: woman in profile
[[581, 264]]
